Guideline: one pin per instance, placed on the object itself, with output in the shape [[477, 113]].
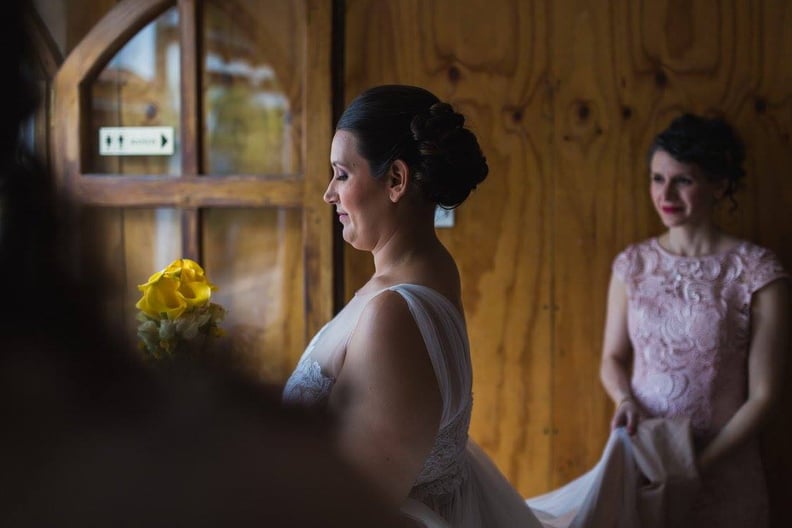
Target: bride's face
[[360, 199]]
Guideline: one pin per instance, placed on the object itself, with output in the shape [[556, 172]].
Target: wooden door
[[243, 87]]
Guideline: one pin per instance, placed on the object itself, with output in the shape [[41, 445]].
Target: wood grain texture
[[190, 78], [583, 180], [565, 97], [317, 251]]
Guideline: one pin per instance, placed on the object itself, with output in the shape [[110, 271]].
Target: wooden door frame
[[191, 191], [48, 59]]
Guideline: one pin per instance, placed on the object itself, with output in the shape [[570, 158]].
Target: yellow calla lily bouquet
[[175, 307]]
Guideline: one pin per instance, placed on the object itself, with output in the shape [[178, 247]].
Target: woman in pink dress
[[696, 322]]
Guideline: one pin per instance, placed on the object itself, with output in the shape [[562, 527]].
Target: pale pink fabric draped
[[645, 481]]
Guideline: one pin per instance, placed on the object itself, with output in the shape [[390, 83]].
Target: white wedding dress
[[459, 486]]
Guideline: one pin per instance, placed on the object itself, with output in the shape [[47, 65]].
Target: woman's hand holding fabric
[[628, 415]]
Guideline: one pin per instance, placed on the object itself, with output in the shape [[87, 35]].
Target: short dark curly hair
[[711, 144]]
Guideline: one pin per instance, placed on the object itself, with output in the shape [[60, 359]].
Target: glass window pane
[[138, 88], [254, 256], [253, 86], [131, 245], [68, 21]]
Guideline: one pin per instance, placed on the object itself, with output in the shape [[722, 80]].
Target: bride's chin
[[356, 242]]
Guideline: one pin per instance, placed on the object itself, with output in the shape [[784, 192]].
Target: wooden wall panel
[[565, 97], [586, 202], [490, 61]]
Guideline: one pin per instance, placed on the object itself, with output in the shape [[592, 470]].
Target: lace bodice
[[444, 333], [308, 385], [689, 324]]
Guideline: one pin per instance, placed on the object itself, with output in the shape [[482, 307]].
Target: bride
[[393, 366]]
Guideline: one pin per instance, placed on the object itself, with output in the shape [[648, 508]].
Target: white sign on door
[[136, 141]]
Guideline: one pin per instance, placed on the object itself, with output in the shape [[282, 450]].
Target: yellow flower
[[175, 309], [181, 286]]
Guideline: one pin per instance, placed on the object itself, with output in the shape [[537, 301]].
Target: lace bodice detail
[[445, 336], [445, 468], [308, 385], [689, 325]]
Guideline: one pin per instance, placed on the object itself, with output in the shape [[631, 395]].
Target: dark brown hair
[[393, 122]]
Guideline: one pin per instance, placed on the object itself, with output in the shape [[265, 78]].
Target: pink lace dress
[[689, 325]]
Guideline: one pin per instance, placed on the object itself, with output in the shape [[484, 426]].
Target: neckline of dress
[[719, 254]]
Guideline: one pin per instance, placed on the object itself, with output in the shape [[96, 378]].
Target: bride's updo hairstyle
[[709, 143], [393, 122]]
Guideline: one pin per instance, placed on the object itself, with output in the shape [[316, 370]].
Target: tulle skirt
[[647, 481]]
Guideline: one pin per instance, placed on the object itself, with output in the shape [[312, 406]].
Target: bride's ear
[[398, 180]]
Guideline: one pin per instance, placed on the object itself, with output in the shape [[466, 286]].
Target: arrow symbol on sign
[[164, 140]]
